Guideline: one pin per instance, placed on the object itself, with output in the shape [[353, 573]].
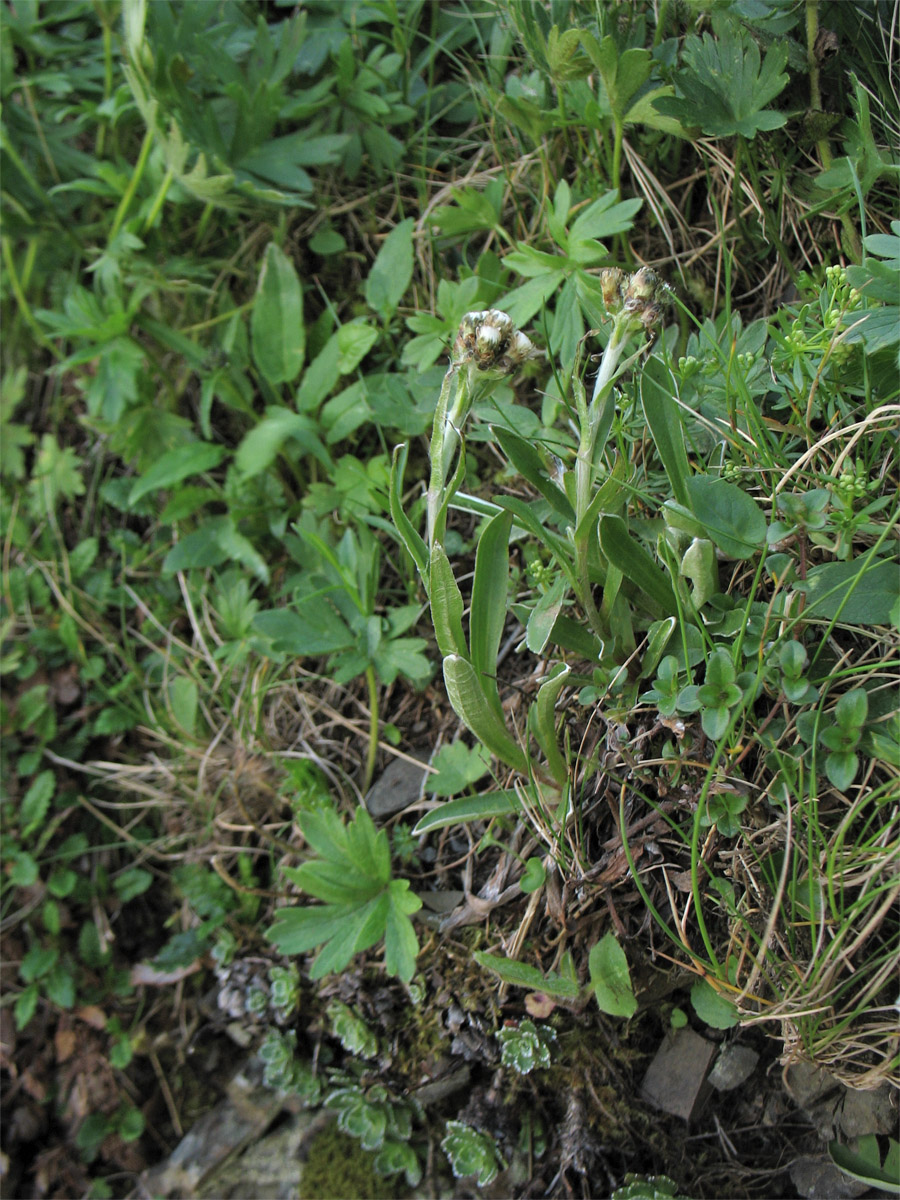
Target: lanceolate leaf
[[528, 463], [501, 803], [276, 323], [543, 722], [489, 600], [636, 564], [446, 605], [176, 465], [474, 709], [658, 392], [412, 540]]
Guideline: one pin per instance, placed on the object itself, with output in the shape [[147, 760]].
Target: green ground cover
[[514, 384]]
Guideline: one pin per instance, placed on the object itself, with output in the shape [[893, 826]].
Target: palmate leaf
[[362, 903], [722, 87]]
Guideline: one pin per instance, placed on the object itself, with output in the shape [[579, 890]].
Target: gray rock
[[806, 1083], [676, 1079], [734, 1065], [398, 786], [869, 1112], [820, 1179]]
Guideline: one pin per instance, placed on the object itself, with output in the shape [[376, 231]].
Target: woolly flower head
[[490, 342]]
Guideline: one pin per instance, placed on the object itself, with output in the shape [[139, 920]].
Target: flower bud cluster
[[642, 296], [490, 342], [853, 483]]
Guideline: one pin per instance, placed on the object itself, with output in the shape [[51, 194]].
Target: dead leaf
[[150, 976], [92, 1015], [65, 1041]]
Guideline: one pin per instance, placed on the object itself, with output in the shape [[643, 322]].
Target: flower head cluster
[[640, 297], [490, 342]]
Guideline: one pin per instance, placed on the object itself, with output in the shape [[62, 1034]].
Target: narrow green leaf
[[543, 720], [636, 564], [544, 615], [175, 465], [529, 464], [477, 713], [501, 803], [490, 590], [184, 698], [519, 974], [608, 498], [277, 332], [559, 547], [868, 1168], [392, 270], [36, 802], [658, 392], [446, 605], [412, 540]]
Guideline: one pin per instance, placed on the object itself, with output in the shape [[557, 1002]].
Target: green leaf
[[469, 808], [722, 512], [610, 978], [659, 401], [132, 882], [865, 1163], [712, 1007], [446, 605], [534, 876], [860, 592], [412, 539], [604, 219], [400, 943], [472, 706], [527, 461], [36, 802], [542, 719], [176, 465], [265, 441], [544, 615], [362, 902], [354, 341], [487, 617], [277, 332], [392, 270], [184, 698], [519, 974], [458, 767], [636, 564], [26, 1005], [316, 628], [722, 87]]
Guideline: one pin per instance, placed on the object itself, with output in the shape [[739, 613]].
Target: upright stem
[[448, 419], [373, 727], [585, 466]]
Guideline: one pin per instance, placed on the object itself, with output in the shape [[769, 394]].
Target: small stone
[[734, 1065], [820, 1179], [398, 786], [868, 1112], [676, 1079], [806, 1083]]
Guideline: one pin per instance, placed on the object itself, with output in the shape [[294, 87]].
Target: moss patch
[[338, 1166]]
